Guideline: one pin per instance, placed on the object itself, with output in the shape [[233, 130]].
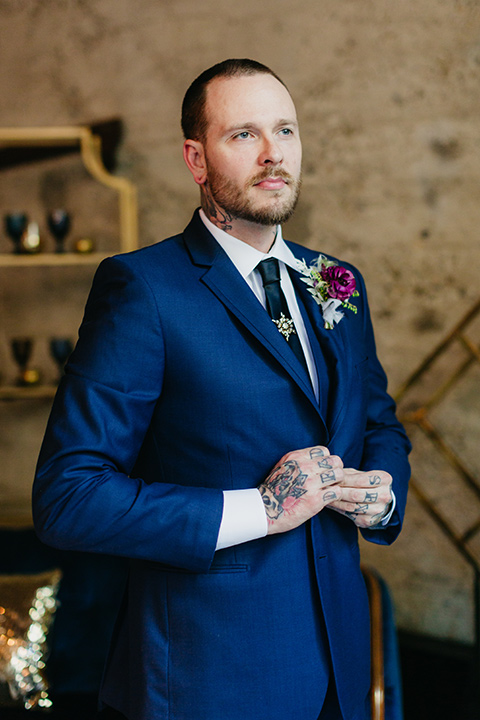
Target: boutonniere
[[331, 286]]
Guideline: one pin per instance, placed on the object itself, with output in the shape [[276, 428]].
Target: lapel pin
[[285, 326]]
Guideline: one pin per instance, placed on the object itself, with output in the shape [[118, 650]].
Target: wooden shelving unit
[[51, 259], [47, 142], [96, 145], [14, 392]]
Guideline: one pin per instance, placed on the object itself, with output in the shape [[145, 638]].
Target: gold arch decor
[[439, 405], [88, 143]]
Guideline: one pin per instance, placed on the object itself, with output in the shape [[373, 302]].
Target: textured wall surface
[[388, 99]]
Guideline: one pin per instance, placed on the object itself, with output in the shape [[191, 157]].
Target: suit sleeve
[[84, 497], [386, 445]]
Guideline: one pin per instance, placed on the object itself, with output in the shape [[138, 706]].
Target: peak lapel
[[224, 280], [336, 352]]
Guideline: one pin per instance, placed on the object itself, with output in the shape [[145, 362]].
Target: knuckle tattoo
[[361, 509]]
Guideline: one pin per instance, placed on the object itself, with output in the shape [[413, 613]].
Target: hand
[[301, 484], [365, 496]]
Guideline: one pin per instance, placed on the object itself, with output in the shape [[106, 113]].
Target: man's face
[[252, 148]]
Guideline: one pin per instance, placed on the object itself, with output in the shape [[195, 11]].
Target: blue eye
[[243, 135], [286, 131]]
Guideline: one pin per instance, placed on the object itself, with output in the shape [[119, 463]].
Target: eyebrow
[[251, 125]]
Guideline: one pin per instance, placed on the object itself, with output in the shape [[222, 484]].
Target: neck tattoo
[[216, 215]]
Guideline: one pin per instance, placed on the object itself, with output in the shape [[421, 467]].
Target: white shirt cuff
[[244, 518], [384, 521]]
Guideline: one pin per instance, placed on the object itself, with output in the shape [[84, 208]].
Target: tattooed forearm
[[219, 217], [282, 489]]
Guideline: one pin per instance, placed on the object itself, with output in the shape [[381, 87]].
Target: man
[[231, 448]]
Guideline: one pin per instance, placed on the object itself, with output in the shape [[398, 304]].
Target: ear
[[194, 156]]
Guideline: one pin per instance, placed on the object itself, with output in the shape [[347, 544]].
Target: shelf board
[[21, 149], [13, 392], [46, 259]]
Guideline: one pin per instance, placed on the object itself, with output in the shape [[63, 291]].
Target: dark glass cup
[[59, 223], [15, 226], [22, 351]]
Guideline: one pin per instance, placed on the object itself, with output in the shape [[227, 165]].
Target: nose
[[271, 153]]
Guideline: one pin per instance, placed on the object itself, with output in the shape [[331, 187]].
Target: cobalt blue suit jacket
[[181, 387]]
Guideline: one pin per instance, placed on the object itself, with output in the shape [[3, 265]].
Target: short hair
[[194, 119]]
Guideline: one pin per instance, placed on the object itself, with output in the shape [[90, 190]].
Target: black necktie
[[277, 306]]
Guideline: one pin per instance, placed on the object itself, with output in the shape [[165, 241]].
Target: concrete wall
[[388, 97]]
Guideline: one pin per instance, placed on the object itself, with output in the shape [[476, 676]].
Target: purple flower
[[341, 282]]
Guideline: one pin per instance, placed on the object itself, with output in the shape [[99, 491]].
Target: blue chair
[[386, 687]]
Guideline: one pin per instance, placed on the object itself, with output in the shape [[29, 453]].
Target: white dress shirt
[[244, 517]]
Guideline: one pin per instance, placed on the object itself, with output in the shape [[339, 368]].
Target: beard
[[235, 200]]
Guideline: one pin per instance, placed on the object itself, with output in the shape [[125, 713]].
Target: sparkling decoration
[[285, 326], [27, 608]]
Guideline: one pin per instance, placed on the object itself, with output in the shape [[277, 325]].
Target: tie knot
[[269, 270]]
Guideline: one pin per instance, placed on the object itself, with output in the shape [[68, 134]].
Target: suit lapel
[[333, 345], [224, 280]]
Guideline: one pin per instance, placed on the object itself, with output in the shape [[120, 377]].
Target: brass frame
[[420, 418], [89, 146]]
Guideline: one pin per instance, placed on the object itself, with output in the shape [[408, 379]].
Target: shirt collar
[[244, 256]]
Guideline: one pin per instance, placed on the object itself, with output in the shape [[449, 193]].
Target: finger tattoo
[[324, 463], [317, 452], [327, 476], [361, 509], [329, 496], [374, 479], [371, 497]]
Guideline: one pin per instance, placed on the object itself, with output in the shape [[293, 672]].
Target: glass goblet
[[15, 226], [22, 351], [59, 225]]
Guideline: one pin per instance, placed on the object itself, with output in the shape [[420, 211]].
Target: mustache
[[270, 173]]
